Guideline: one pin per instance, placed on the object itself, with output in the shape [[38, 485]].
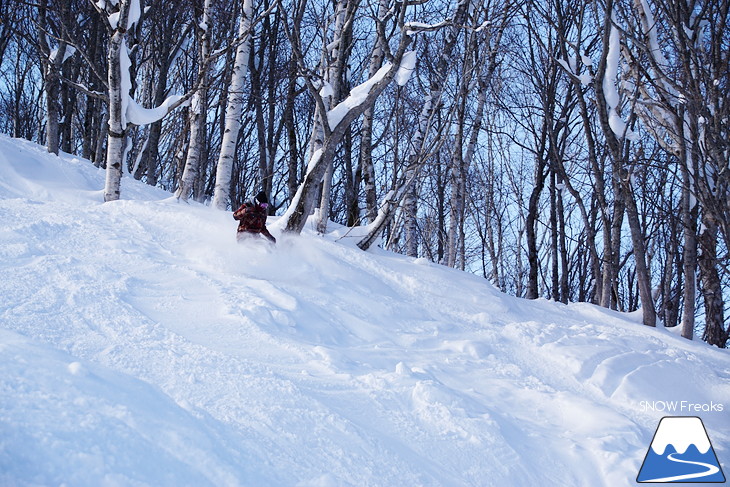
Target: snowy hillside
[[141, 346]]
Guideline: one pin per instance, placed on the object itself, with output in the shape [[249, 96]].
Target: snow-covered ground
[[141, 346]]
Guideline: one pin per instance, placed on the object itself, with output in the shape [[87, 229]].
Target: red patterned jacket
[[252, 219]]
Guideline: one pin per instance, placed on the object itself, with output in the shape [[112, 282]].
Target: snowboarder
[[252, 218]]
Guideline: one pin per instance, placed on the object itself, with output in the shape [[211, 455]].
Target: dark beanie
[[261, 198]]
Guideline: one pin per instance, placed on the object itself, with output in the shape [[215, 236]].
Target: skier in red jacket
[[252, 218]]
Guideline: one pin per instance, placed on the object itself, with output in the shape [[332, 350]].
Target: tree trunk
[[611, 251], [234, 108], [52, 59], [192, 169], [366, 131], [52, 90], [150, 155], [335, 73], [324, 201], [563, 245], [642, 270], [291, 132], [554, 251], [457, 176], [689, 224], [533, 290], [607, 104], [711, 285], [117, 134], [410, 212], [99, 154], [198, 113]]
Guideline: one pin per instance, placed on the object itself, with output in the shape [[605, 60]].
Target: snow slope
[[141, 346]]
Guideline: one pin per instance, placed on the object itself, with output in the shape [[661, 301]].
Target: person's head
[[261, 200]]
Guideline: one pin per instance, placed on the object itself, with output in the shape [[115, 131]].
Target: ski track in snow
[[140, 345]]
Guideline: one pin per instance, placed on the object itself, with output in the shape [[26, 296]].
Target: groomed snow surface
[[141, 346]]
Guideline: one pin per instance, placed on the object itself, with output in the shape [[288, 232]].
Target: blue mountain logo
[[681, 452]]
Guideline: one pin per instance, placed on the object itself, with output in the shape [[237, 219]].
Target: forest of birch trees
[[571, 150]]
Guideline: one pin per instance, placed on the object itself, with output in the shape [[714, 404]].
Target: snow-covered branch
[[610, 89], [359, 94], [412, 28], [86, 90]]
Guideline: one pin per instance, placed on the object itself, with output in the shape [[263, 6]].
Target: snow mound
[[140, 345]]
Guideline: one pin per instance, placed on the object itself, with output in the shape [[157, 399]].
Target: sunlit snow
[[140, 345]]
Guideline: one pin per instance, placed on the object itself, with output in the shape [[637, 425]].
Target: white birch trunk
[[333, 75], [410, 206], [116, 136], [52, 89], [191, 172], [123, 110], [51, 61], [457, 175], [366, 137], [234, 108], [458, 187], [198, 111]]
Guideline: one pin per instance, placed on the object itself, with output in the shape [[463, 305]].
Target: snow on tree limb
[[133, 16], [407, 66], [416, 27], [658, 61], [610, 90], [358, 95], [139, 115]]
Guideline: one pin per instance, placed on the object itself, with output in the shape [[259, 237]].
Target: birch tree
[[234, 108], [415, 160], [618, 136], [118, 86], [338, 119], [198, 107], [52, 59], [682, 108], [334, 72], [483, 47], [121, 18]]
